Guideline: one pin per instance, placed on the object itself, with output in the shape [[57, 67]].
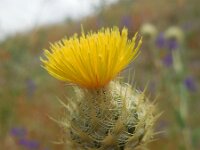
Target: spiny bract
[[114, 118]]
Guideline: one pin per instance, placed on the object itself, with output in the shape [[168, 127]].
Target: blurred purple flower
[[126, 21], [18, 132], [160, 41], [187, 26], [190, 84], [100, 23], [168, 60], [30, 144], [30, 87], [172, 44], [152, 86]]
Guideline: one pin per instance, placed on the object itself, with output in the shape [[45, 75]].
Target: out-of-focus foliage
[[169, 63]]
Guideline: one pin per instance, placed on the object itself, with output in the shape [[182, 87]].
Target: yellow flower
[[92, 60]]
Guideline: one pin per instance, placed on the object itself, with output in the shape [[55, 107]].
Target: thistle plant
[[105, 113]]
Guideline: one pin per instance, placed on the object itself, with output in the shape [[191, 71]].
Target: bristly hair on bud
[[104, 114], [117, 117]]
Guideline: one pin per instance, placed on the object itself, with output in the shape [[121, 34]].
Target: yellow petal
[[91, 60]]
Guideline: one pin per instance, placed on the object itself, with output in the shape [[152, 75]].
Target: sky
[[22, 15]]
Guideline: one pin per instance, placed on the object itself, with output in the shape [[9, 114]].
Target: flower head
[[30, 144], [101, 115], [160, 41], [172, 44], [93, 59], [175, 34], [190, 84], [168, 60], [126, 21], [149, 31], [18, 132]]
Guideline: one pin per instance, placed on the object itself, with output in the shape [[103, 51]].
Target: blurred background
[[168, 63]]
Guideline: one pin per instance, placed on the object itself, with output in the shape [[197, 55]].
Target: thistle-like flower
[[105, 113], [149, 31], [175, 33]]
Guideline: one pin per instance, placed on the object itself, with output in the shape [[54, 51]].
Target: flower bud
[[115, 117]]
